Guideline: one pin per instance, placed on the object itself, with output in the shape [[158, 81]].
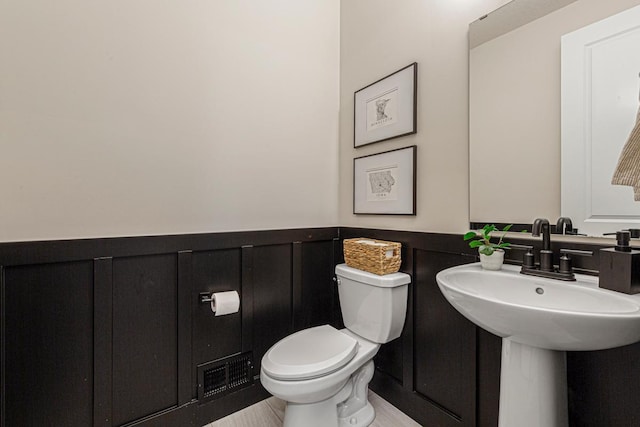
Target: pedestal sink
[[539, 320]]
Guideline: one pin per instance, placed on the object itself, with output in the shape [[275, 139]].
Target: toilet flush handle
[[336, 280]]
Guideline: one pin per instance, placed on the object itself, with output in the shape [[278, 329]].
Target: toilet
[[323, 373]]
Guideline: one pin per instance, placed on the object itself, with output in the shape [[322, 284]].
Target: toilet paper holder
[[206, 297], [221, 303]]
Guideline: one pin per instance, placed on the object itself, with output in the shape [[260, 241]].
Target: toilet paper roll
[[225, 302]]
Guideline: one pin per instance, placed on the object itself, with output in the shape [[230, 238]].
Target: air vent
[[215, 381], [223, 376]]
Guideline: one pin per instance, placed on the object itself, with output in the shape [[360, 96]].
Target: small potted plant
[[491, 254]]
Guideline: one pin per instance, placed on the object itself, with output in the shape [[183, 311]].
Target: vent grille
[[223, 376], [240, 372], [215, 381]]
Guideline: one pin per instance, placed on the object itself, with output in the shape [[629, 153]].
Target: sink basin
[[541, 312], [539, 319]]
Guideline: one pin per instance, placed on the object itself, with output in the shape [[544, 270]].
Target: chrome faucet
[[541, 226]]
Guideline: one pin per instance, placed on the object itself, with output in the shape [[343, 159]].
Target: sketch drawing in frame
[[386, 109], [385, 183]]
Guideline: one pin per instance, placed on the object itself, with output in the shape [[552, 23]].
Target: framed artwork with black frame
[[386, 109], [385, 183]]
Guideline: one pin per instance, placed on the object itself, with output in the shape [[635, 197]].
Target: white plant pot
[[493, 261]]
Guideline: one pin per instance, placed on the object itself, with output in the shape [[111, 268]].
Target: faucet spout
[[541, 226], [564, 225]]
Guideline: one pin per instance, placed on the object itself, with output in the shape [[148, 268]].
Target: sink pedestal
[[535, 315], [533, 387]]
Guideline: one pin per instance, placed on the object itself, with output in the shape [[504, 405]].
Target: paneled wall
[[48, 343], [110, 332]]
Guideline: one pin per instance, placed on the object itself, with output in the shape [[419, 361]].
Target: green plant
[[482, 239]]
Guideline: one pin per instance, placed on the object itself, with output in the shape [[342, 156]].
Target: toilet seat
[[309, 353]]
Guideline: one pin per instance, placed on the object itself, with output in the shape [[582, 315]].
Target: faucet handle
[[576, 252], [528, 260], [565, 266], [521, 247]]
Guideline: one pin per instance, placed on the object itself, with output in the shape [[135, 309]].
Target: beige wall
[[121, 118], [133, 118], [379, 37]]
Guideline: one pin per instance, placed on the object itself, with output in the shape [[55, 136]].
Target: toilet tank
[[373, 306]]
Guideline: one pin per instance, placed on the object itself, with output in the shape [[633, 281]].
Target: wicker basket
[[375, 256]]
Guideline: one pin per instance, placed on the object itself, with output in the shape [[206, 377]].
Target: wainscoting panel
[[272, 315], [103, 341], [215, 337], [145, 341], [389, 359], [48, 344], [319, 291], [603, 387], [446, 370], [488, 378]]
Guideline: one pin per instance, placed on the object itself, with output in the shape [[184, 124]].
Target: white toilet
[[323, 373]]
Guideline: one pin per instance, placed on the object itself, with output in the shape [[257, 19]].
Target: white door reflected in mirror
[[600, 100]]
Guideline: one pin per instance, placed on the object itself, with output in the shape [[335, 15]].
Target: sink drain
[[539, 291]]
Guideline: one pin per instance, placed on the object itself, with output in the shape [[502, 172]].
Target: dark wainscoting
[[109, 332]]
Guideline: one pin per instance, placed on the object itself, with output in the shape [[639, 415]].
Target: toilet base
[[350, 407], [325, 414], [318, 414], [362, 418]]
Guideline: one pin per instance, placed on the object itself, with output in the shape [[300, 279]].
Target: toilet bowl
[[323, 373]]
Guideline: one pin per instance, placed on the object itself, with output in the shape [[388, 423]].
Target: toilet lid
[[310, 353]]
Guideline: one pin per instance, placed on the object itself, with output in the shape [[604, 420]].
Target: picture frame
[[387, 108], [385, 183]]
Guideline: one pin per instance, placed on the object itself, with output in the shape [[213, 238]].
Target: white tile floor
[[270, 413]]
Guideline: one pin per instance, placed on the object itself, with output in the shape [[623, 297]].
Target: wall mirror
[[516, 117]]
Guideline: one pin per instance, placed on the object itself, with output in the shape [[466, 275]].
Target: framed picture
[[387, 108], [385, 183]]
